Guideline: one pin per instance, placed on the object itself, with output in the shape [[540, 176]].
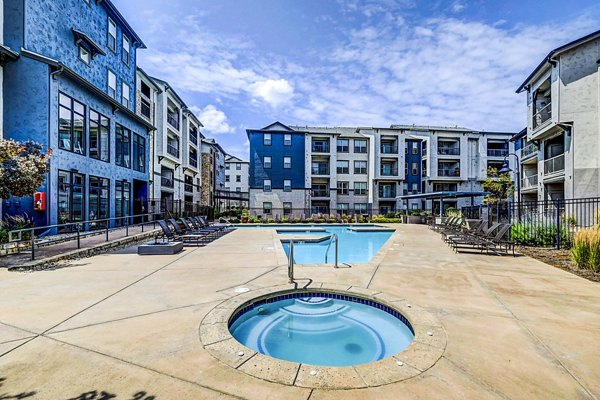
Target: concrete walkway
[[123, 324]]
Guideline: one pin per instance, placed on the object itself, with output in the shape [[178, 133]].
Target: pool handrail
[[291, 263], [334, 237]]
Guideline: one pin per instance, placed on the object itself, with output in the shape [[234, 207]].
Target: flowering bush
[[22, 168]]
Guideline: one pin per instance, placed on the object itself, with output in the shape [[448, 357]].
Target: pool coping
[[424, 351]]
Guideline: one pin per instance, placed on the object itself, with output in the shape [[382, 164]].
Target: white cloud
[[458, 6], [213, 119], [275, 92]]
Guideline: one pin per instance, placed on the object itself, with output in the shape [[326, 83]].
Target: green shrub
[[234, 221], [270, 220], [15, 222], [538, 235]]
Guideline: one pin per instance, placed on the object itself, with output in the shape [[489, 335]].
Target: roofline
[[168, 87], [519, 135], [93, 88], [149, 78], [191, 113], [549, 58], [121, 18]]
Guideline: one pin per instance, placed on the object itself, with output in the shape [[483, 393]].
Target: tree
[[498, 186], [22, 167]]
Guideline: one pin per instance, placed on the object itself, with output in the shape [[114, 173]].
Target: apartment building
[[237, 175], [176, 169], [72, 89], [366, 169], [559, 149], [6, 55], [213, 173]]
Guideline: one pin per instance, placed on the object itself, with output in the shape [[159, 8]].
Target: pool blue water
[[322, 331], [353, 247]]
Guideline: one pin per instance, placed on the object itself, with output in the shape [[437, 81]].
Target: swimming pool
[[325, 329], [353, 246]]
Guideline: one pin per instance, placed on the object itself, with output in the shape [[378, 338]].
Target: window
[[267, 162], [111, 40], [360, 146], [360, 167], [343, 145], [406, 169], [227, 167], [267, 185], [343, 207], [238, 178], [360, 188], [415, 149], [112, 84], [71, 197], [122, 146], [415, 188], [266, 139], [287, 185], [445, 187], [267, 207], [342, 188], [287, 162], [287, 207], [99, 136], [125, 94], [226, 178], [238, 189], [343, 167], [71, 124], [84, 54], [122, 197], [360, 208], [405, 188], [415, 169], [238, 166], [125, 54], [99, 200], [139, 153], [287, 139]]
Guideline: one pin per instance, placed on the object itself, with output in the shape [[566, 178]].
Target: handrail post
[[336, 252], [291, 263], [107, 224], [32, 245], [78, 226], [127, 226]]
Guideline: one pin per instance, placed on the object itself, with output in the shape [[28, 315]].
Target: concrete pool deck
[[126, 324]]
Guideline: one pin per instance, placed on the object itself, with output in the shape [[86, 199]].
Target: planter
[[414, 219], [157, 248]]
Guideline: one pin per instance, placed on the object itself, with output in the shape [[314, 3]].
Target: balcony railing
[[145, 108], [543, 115], [172, 150], [194, 137], [389, 171], [554, 165], [448, 151], [166, 182], [529, 182], [320, 147], [320, 193], [497, 152], [449, 172], [529, 150], [389, 148], [423, 151], [188, 187], [194, 161], [387, 193], [320, 169], [173, 120]]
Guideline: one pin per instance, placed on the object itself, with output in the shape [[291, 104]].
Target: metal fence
[[304, 214], [179, 208], [542, 223]]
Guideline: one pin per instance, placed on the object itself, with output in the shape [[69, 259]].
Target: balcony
[[320, 147], [319, 193], [145, 107], [387, 193], [449, 172], [173, 120], [449, 151], [194, 161], [386, 170], [497, 152], [188, 187], [529, 182], [554, 165], [167, 182], [542, 116], [173, 150], [389, 148], [320, 169], [529, 150], [194, 138]]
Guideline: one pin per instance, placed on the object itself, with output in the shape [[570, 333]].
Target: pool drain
[[353, 348]]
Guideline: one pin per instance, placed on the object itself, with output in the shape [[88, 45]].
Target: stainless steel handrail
[[334, 238], [291, 263]]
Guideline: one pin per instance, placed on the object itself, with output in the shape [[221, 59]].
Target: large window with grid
[[99, 200], [139, 153], [71, 124], [122, 146], [99, 136], [71, 197]]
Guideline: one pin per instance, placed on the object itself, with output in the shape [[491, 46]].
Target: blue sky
[[246, 63]]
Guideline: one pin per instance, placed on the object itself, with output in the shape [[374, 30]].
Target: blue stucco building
[[277, 169], [72, 89]]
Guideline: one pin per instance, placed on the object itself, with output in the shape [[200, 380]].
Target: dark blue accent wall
[[411, 158], [276, 151]]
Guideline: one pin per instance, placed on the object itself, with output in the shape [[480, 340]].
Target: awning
[[81, 37]]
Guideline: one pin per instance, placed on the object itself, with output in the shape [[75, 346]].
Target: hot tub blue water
[[322, 329]]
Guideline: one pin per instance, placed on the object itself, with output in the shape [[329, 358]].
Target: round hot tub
[[325, 329]]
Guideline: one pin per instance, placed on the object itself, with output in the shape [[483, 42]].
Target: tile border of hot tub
[[425, 350]]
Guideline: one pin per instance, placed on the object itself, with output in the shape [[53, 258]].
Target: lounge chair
[[202, 223], [198, 237], [190, 230], [481, 242], [178, 235], [451, 232]]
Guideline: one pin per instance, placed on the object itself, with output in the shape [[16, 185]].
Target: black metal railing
[[188, 187], [449, 151], [319, 193], [319, 147], [497, 152], [387, 193], [167, 182], [145, 108], [389, 148], [322, 169], [448, 172], [388, 171], [194, 137], [194, 161], [173, 120], [172, 150]]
